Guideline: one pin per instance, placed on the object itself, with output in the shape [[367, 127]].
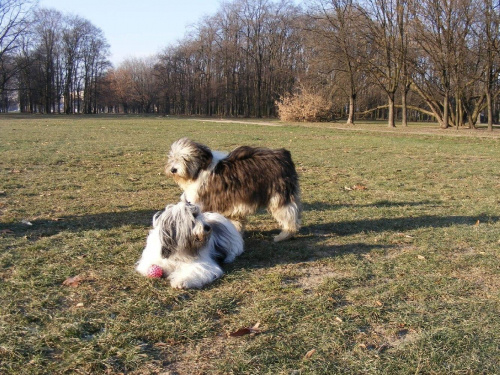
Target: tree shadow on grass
[[101, 221], [109, 220], [309, 245]]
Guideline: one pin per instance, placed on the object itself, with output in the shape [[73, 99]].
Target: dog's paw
[[195, 275], [179, 284], [283, 236], [191, 282]]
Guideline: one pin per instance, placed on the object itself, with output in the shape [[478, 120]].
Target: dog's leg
[[239, 223], [195, 275], [288, 216]]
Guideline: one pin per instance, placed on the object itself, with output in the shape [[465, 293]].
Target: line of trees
[[51, 63], [237, 62], [391, 59]]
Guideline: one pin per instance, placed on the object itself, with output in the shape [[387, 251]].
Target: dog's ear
[[205, 155], [168, 241], [167, 230], [158, 217], [166, 252]]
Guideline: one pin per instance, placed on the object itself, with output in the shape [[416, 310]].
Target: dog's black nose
[[207, 228], [173, 170]]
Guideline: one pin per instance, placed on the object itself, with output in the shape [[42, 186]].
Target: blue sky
[[138, 28]]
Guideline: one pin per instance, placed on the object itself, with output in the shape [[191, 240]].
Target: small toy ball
[[155, 271]]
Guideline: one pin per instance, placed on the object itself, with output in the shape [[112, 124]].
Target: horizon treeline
[[50, 62], [398, 60]]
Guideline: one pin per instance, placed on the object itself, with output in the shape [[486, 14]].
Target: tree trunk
[[404, 113], [352, 101], [490, 110], [446, 116], [391, 121]]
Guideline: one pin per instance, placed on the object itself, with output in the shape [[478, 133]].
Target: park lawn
[[395, 270]]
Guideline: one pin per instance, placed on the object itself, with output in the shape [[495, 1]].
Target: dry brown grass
[[304, 106], [399, 277]]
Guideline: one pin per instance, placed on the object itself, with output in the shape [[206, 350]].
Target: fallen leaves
[[75, 281], [310, 353], [162, 344], [252, 331], [476, 226], [359, 187]]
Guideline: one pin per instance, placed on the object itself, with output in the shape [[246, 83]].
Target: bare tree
[[490, 35], [14, 22], [136, 86], [338, 47], [63, 58], [94, 52], [440, 29], [47, 31], [228, 41], [387, 24], [71, 43]]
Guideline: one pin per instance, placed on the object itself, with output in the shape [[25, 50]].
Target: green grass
[[395, 271]]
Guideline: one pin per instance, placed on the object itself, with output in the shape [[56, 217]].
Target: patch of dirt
[[401, 250], [200, 357], [313, 277], [380, 339], [487, 284], [263, 123]]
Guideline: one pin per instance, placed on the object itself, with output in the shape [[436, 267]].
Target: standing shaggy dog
[[238, 183]]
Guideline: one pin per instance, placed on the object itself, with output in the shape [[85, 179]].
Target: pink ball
[[155, 271]]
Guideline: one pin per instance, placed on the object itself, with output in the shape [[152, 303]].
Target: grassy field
[[396, 269]]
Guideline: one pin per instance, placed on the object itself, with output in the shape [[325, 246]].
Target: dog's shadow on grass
[[313, 243], [398, 224], [323, 206]]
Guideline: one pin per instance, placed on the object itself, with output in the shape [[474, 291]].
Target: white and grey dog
[[238, 183], [188, 245]]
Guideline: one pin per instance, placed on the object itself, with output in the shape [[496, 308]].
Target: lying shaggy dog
[[239, 183], [188, 245]]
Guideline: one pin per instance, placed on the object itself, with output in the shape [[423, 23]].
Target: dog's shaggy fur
[[188, 245], [239, 183]]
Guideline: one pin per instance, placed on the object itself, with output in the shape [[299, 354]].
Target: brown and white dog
[[237, 184]]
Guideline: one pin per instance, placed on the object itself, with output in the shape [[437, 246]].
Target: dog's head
[[187, 159], [182, 229]]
